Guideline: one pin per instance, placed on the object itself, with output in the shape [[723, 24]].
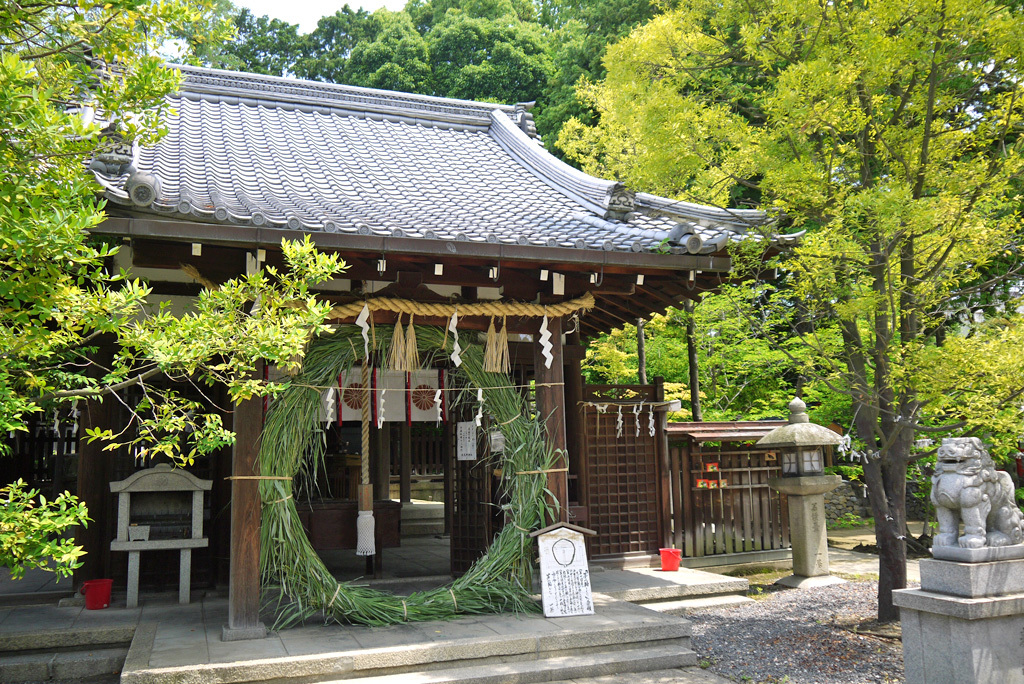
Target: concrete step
[[87, 665], [74, 638], [422, 511], [646, 585], [643, 659], [621, 638], [422, 529], [686, 606]]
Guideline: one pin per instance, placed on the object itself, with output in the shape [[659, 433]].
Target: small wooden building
[[428, 199]]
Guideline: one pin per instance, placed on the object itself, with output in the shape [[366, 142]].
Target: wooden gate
[[472, 517], [721, 500], [621, 477]]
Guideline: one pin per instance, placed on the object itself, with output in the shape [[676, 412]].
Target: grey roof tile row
[[256, 150]]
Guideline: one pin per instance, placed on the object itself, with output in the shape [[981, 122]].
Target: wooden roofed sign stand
[[439, 207]]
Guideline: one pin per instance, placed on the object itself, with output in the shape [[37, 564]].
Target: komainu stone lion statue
[[967, 486]]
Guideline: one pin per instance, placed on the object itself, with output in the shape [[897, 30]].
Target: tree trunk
[[886, 479], [641, 353], [691, 357]]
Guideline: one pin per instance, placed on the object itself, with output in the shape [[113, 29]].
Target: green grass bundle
[[295, 576]]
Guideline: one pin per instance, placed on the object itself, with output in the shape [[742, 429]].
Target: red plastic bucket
[[670, 559], [97, 593]]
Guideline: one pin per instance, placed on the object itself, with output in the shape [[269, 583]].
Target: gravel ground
[[799, 637]]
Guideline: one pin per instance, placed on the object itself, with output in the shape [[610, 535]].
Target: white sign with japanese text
[[465, 437], [564, 574]]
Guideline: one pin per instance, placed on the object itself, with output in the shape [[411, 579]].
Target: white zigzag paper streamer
[[437, 403], [328, 406], [545, 343], [650, 420], [618, 423], [380, 408], [636, 416], [480, 407], [456, 349], [361, 319]]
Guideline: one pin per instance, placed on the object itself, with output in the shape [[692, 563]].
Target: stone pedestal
[[965, 625], [807, 527]]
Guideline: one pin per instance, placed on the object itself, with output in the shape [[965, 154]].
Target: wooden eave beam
[[606, 323], [269, 238], [622, 307], [614, 315]]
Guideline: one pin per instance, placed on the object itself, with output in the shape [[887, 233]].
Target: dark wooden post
[[380, 467], [94, 474], [94, 471], [551, 406], [691, 358], [574, 354], [664, 466], [641, 352], [244, 583], [405, 471]]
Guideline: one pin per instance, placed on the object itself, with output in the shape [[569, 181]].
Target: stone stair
[[422, 519], [95, 655], [620, 639]]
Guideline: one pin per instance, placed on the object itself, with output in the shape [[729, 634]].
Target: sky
[[306, 13]]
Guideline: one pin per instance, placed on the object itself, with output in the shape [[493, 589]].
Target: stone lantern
[[799, 446]]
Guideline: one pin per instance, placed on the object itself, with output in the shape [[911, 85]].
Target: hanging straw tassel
[[364, 522], [492, 358], [412, 354], [504, 358], [396, 357]]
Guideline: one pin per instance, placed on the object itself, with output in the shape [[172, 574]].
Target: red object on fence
[[670, 559], [97, 593]]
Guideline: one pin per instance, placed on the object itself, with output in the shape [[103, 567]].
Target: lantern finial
[[798, 411]]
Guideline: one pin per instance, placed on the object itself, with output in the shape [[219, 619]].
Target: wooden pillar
[[574, 355], [405, 472], [380, 468], [551, 407], [664, 466], [244, 582], [95, 469], [94, 473], [449, 473]]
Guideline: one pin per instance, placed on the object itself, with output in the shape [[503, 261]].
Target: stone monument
[[966, 623]]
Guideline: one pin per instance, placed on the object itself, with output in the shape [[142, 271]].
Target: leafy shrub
[[30, 531]]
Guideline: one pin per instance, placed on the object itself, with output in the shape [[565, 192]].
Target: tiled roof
[[258, 150]]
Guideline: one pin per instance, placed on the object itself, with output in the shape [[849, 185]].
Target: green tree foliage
[[488, 50], [892, 131], [480, 58], [203, 40], [326, 50], [581, 32], [261, 45], [76, 81], [394, 56], [30, 529], [744, 375]]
